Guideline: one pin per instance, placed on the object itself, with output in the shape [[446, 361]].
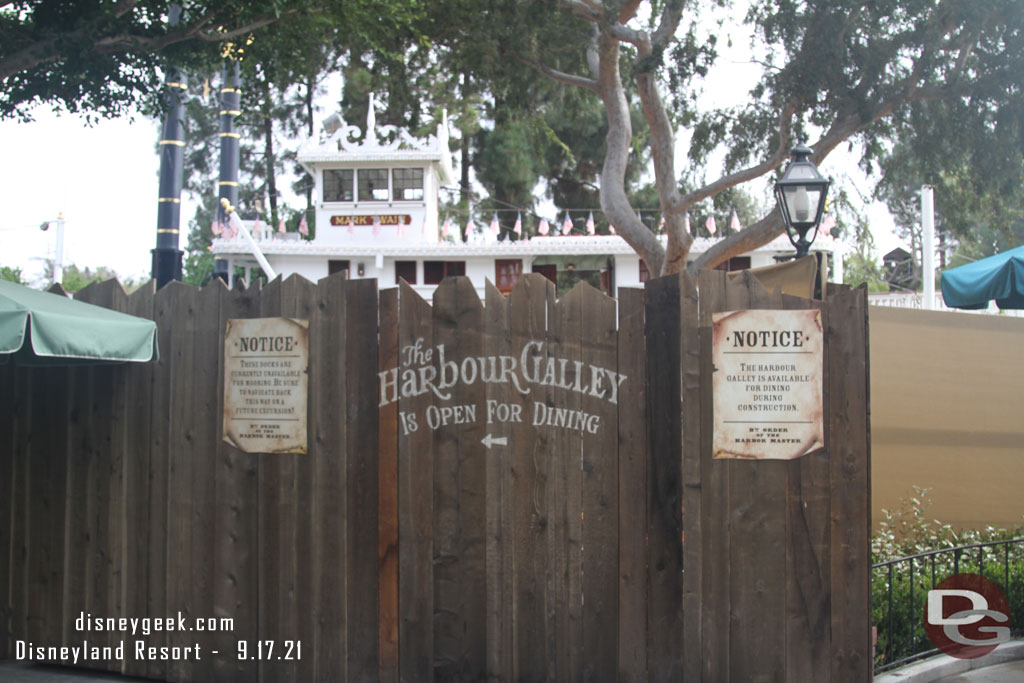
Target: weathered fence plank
[[665, 503], [563, 502], [17, 592], [460, 606], [715, 502], [235, 523], [415, 500], [529, 307], [808, 509], [848, 442], [140, 394], [362, 480], [693, 479], [500, 546], [9, 399], [633, 455], [45, 513], [328, 429], [599, 345], [181, 501], [387, 504]]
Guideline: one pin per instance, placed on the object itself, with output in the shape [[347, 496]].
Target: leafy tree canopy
[[102, 57], [881, 75]]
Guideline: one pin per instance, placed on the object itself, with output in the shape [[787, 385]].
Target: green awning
[[999, 278], [39, 328]]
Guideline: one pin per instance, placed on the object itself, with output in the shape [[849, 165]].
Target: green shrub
[[908, 531]]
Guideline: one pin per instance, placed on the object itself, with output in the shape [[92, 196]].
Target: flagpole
[[167, 254], [236, 221]]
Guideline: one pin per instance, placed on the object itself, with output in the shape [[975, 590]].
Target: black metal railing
[[899, 590]]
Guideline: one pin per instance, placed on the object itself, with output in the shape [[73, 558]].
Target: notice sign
[[265, 363], [767, 384]]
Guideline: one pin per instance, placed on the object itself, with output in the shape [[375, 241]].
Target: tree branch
[[777, 157], [752, 237], [663, 157], [584, 10], [671, 14], [628, 10], [618, 144], [562, 77], [47, 50]]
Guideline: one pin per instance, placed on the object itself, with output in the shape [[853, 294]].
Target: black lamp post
[[801, 195]]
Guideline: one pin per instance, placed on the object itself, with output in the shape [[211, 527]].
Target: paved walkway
[[1004, 665], [1011, 672]]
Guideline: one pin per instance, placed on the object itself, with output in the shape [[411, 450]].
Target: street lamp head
[[801, 193]]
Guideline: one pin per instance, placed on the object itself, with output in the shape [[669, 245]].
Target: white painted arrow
[[494, 440]]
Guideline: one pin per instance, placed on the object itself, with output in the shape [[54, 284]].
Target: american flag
[[376, 226], [303, 226], [566, 224], [734, 222], [591, 229], [470, 228], [518, 228], [216, 229], [280, 227], [446, 227], [611, 228], [710, 225], [495, 226], [543, 229]]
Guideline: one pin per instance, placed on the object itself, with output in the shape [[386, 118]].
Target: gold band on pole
[[179, 143], [237, 90], [232, 183], [166, 231], [175, 84], [232, 112], [173, 200], [230, 135]]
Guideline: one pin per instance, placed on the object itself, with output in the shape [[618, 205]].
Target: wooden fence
[[492, 491]]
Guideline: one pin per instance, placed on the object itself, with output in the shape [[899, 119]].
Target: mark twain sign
[[767, 384]]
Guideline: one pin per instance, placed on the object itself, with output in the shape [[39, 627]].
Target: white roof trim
[[572, 245]]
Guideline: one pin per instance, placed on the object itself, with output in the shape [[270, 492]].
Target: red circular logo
[[967, 616]]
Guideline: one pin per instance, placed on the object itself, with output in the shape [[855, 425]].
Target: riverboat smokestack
[[230, 108], [167, 255]]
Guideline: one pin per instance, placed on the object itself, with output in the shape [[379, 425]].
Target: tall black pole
[[230, 108], [167, 255]]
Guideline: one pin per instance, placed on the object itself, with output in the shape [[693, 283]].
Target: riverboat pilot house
[[377, 216]]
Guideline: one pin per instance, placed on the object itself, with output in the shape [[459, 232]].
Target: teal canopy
[[39, 328], [999, 277]]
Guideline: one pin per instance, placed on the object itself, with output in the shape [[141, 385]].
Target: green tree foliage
[[12, 275], [75, 280], [103, 57], [835, 71]]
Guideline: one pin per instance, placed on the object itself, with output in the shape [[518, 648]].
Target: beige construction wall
[[947, 412]]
